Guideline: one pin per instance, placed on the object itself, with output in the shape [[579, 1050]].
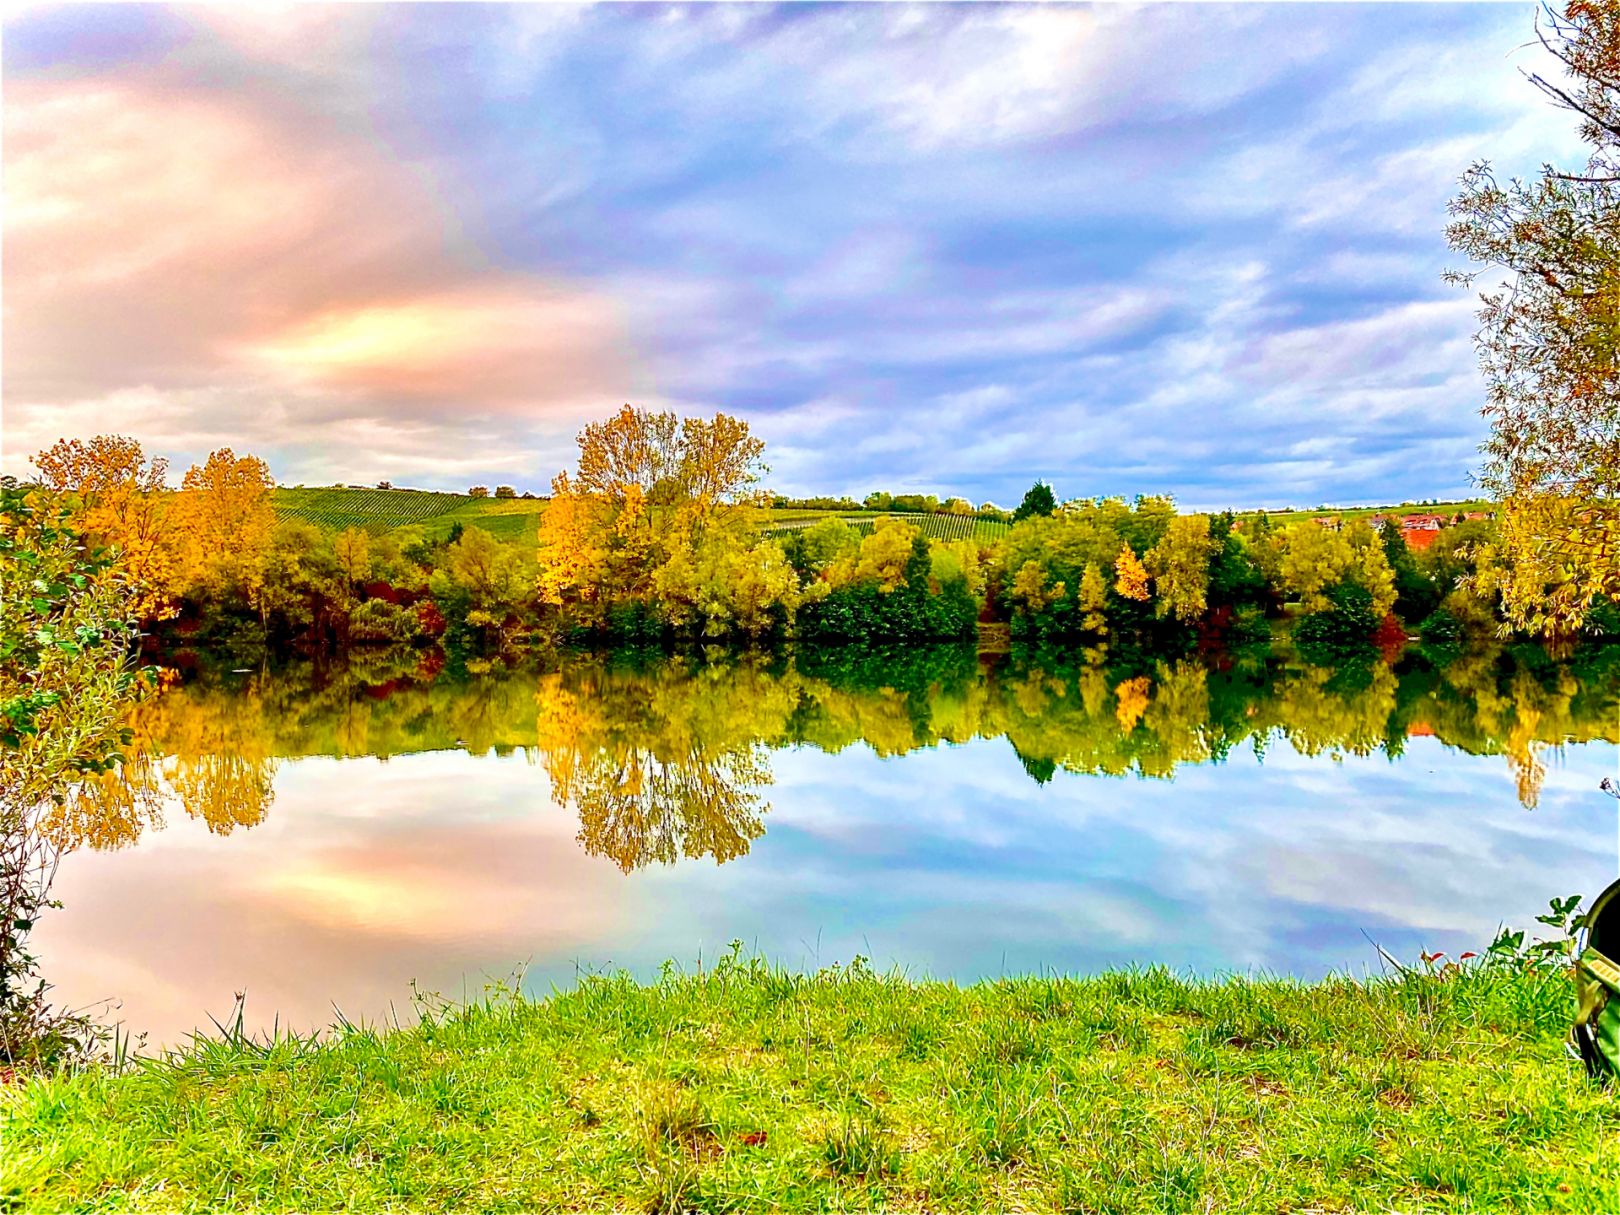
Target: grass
[[745, 1088]]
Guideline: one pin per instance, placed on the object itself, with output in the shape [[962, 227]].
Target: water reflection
[[329, 835], [663, 758]]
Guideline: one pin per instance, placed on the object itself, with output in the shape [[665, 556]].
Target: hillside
[[337, 507]]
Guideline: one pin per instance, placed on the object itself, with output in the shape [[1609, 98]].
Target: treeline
[[657, 537]]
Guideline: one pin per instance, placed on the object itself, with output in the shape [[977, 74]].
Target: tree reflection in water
[[667, 758]]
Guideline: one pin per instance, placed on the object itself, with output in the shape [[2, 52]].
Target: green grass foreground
[[748, 1089]]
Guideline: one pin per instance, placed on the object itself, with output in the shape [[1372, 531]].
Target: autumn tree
[[1130, 576], [1549, 340], [1179, 563], [1313, 560], [67, 684], [647, 487], [224, 515], [1094, 601], [352, 549], [121, 504]]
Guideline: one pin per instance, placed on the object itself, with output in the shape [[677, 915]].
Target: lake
[[328, 837]]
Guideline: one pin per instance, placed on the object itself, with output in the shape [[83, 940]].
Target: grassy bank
[[745, 1088]]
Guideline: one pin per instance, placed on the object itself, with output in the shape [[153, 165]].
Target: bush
[[505, 491], [1440, 628], [376, 621], [1345, 629]]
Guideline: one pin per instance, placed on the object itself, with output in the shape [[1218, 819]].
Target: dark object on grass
[[1597, 989]]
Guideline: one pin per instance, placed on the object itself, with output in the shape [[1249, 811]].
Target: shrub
[[376, 621], [1345, 629]]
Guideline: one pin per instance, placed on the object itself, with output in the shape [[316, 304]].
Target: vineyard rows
[[336, 508], [935, 527]]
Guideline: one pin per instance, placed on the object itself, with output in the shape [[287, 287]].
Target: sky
[[1193, 250]]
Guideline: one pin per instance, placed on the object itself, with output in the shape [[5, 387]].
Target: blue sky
[[1172, 249]]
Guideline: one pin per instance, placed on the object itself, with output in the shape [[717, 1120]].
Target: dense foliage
[[662, 536], [66, 686]]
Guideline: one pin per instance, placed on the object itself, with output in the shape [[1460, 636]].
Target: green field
[[748, 1088], [338, 507]]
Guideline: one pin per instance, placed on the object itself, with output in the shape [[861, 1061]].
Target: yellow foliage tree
[[1094, 601], [224, 516], [883, 555], [1131, 576], [648, 486], [121, 503], [1179, 563]]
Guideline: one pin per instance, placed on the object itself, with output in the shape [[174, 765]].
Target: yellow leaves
[[573, 555], [121, 500], [1130, 576], [1094, 601], [352, 548], [883, 555], [1179, 563], [1557, 557], [649, 489], [1131, 701], [223, 512], [722, 584], [1029, 587], [106, 463]]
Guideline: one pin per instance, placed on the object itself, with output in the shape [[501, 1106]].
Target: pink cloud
[[214, 260]]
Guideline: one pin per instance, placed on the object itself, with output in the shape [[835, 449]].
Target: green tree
[[1038, 500]]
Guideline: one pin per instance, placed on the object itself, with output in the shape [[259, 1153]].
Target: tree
[[1038, 500], [1130, 576], [223, 512], [67, 683], [1179, 563], [505, 491], [1094, 601], [478, 491], [648, 487], [1549, 342], [352, 548], [119, 497]]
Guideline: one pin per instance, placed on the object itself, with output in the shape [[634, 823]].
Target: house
[[1422, 523], [1331, 522]]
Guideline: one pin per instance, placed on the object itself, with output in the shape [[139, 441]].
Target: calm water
[[328, 837]]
